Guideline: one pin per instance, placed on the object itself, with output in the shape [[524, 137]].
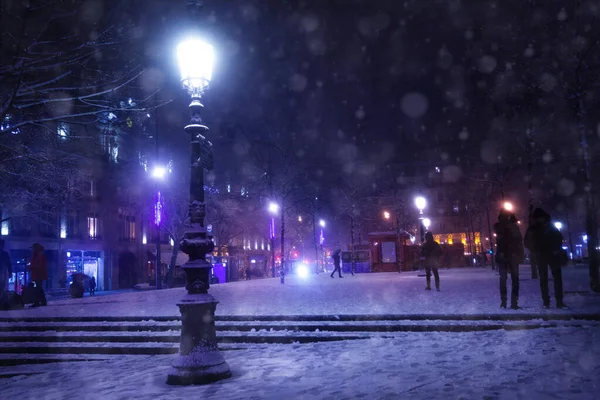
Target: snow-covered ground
[[463, 291], [558, 363]]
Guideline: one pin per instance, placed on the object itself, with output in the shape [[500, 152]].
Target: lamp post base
[[199, 361]]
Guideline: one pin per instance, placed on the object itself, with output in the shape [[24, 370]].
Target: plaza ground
[[531, 353]]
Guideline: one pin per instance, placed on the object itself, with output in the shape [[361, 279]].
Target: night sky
[[364, 93]]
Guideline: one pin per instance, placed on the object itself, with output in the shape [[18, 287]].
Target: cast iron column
[[199, 360]]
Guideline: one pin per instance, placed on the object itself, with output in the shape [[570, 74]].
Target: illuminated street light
[[421, 203], [159, 172], [322, 223], [199, 360], [273, 208], [426, 223], [386, 215], [558, 225], [299, 218], [508, 206]]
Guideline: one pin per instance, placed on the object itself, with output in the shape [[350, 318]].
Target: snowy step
[[248, 327], [508, 315]]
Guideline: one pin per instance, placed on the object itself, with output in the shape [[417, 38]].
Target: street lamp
[[558, 225], [322, 223], [426, 223], [274, 210], [386, 215], [199, 360], [508, 206], [421, 203], [159, 172]]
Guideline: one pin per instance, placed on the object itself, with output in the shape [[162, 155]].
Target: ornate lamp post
[[199, 360]]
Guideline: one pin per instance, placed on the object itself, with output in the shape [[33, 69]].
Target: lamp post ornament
[[199, 360]]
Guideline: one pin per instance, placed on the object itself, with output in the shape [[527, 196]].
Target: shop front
[[89, 263], [19, 259]]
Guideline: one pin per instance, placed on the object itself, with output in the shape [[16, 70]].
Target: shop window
[[93, 226]]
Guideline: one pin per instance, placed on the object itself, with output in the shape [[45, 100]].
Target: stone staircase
[[54, 339]]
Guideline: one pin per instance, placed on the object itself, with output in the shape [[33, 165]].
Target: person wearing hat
[[544, 240], [509, 255], [39, 273]]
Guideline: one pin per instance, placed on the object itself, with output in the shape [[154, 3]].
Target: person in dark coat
[[92, 286], [509, 254], [337, 263], [39, 273], [545, 242], [431, 253]]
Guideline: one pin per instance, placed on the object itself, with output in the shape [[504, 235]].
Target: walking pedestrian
[[337, 263], [545, 242], [92, 286], [431, 252], [509, 255], [39, 273]]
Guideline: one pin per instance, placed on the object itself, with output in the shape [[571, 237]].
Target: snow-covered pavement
[[464, 292], [558, 363], [408, 343]]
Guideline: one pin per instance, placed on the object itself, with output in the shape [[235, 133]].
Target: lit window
[[5, 228], [63, 227], [93, 227]]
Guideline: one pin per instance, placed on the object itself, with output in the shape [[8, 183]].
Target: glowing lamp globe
[[558, 225], [195, 59], [159, 172], [426, 223], [322, 223], [273, 208], [420, 202]]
